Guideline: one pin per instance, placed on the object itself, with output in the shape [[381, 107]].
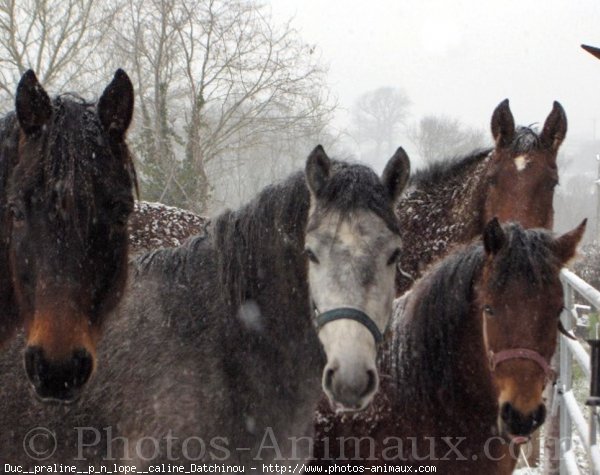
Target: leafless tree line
[[381, 123], [216, 80]]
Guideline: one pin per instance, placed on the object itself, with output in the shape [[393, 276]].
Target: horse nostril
[[371, 383], [83, 365], [58, 379], [329, 372], [35, 363], [506, 412], [349, 386], [519, 423]]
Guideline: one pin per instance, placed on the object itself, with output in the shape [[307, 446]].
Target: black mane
[[526, 140], [528, 255], [445, 170]]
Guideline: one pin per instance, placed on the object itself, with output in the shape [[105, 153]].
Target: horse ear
[[318, 166], [32, 103], [115, 106], [555, 127], [503, 125], [396, 173], [493, 237], [565, 246]]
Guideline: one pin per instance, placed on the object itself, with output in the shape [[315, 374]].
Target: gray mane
[[265, 238]]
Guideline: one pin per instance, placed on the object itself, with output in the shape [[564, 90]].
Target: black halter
[[348, 313]]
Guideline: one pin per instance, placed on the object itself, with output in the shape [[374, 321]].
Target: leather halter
[[348, 313], [522, 353]]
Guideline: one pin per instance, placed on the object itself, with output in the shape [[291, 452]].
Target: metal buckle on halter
[[348, 313], [522, 353]]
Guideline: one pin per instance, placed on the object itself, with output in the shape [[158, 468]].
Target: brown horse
[[468, 362], [66, 179], [450, 202]]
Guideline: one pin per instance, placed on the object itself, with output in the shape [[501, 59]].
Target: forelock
[[353, 187], [526, 140]]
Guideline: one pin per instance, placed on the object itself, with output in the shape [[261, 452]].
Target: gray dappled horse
[[216, 351]]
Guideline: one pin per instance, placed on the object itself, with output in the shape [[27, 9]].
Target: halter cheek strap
[[522, 353], [348, 313]]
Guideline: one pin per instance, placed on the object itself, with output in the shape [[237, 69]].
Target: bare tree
[[55, 38], [440, 137], [215, 78], [378, 116], [147, 43]]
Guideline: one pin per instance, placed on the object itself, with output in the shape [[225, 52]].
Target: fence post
[[566, 376], [552, 427]]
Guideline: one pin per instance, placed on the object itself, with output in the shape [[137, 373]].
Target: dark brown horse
[[66, 180], [468, 361], [450, 202]]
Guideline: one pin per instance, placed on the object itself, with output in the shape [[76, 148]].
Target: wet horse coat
[[449, 202], [66, 180], [441, 402], [446, 205], [215, 340]]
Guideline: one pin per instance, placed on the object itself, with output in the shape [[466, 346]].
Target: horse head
[[352, 245], [69, 197], [520, 300]]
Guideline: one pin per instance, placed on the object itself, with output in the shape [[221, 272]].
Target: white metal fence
[[572, 415]]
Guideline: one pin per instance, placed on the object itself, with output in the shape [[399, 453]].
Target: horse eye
[[487, 309], [394, 257], [311, 255]]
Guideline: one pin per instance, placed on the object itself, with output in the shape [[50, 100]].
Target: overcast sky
[[460, 58]]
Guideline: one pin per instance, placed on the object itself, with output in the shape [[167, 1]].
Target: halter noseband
[[348, 313], [522, 353]]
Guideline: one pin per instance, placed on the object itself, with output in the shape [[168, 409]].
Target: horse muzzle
[[58, 381], [518, 427], [350, 377]]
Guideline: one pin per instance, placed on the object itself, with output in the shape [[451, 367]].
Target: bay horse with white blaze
[[66, 180], [469, 359], [222, 339], [449, 202]]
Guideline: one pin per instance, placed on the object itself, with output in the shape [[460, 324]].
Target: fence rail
[[571, 414]]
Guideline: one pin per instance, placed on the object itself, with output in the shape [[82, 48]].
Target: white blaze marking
[[521, 163]]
